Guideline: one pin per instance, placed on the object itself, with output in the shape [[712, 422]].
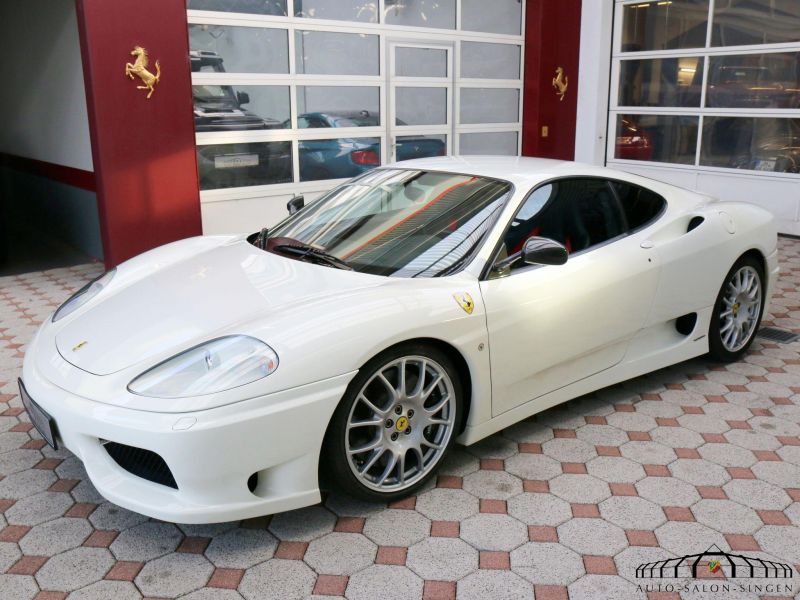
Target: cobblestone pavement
[[566, 504]]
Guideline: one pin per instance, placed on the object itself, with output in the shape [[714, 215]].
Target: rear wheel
[[738, 311], [395, 424]]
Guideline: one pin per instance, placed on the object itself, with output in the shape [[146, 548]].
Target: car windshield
[[212, 92], [400, 222]]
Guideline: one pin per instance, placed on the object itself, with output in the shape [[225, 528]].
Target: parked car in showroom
[[633, 141], [347, 157], [423, 303]]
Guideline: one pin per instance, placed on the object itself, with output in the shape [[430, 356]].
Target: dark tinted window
[[578, 213], [639, 204]]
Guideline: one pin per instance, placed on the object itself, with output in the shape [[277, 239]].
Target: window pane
[[241, 107], [338, 158], [664, 25], [237, 165], [489, 105], [327, 53], [256, 7], [489, 61], [239, 49], [503, 143], [744, 22], [661, 138], [758, 144], [326, 106], [420, 146], [661, 82], [754, 81], [420, 62], [420, 106], [640, 205], [498, 16], [365, 11], [440, 14]]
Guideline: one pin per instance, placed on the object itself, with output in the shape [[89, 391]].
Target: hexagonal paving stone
[[704, 423], [9, 554], [55, 537], [493, 447], [580, 488], [384, 582], [340, 553], [601, 435], [529, 432], [569, 450], [727, 455], [632, 512], [781, 541], [346, 506], [459, 463], [539, 509], [682, 538], [241, 548], [110, 516], [442, 504], [18, 460], [785, 475], [18, 587], [146, 541], [547, 564], [278, 579], [74, 569], [499, 585], [631, 421], [533, 466], [174, 574], [629, 560], [442, 559], [496, 532], [699, 472], [39, 508], [648, 453], [727, 516], [592, 536], [676, 437], [559, 417], [615, 469], [397, 527], [302, 525], [757, 494], [104, 590], [607, 587], [752, 440], [495, 485]]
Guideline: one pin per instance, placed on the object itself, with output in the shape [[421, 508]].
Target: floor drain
[[778, 335]]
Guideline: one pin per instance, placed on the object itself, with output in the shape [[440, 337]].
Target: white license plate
[[235, 161], [766, 165]]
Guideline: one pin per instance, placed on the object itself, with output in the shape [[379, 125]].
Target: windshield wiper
[[306, 251]]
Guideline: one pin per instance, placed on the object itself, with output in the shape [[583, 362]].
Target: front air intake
[[142, 463]]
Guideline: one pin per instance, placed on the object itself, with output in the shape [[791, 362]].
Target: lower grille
[[142, 463]]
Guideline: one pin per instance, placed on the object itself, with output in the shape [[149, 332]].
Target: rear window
[[641, 205]]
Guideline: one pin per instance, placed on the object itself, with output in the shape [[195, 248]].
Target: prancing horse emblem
[[465, 301], [560, 83], [139, 68], [79, 345]]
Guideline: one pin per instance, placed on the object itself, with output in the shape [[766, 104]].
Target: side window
[[640, 205], [578, 213]]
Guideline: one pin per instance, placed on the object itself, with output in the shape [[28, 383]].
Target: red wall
[[143, 150], [552, 39]]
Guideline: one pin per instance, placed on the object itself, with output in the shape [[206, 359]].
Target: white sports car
[[420, 304]]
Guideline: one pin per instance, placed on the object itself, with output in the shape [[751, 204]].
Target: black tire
[[335, 467], [716, 347]]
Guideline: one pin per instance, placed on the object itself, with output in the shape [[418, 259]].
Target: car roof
[[522, 171]]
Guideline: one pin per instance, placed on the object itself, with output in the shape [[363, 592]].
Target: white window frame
[[385, 32]]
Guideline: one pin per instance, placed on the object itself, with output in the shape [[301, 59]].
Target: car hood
[[214, 293]]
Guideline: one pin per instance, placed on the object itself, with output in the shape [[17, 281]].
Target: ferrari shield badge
[[465, 301]]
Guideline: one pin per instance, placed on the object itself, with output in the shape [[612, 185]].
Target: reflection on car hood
[[200, 298]]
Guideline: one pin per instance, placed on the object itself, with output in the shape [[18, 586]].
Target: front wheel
[[395, 424], [738, 311]]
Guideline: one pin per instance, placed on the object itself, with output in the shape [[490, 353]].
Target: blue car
[[341, 158]]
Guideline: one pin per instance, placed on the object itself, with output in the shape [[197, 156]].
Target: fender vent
[[685, 324], [778, 335], [695, 223]]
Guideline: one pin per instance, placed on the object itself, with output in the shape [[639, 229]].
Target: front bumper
[[211, 454]]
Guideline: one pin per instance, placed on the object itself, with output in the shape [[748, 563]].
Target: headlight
[[215, 366], [83, 295]]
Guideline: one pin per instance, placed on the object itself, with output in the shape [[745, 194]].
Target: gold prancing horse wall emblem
[[139, 68], [560, 83]]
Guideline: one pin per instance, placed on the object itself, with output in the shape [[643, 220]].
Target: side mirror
[[243, 97], [295, 205], [543, 251]]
